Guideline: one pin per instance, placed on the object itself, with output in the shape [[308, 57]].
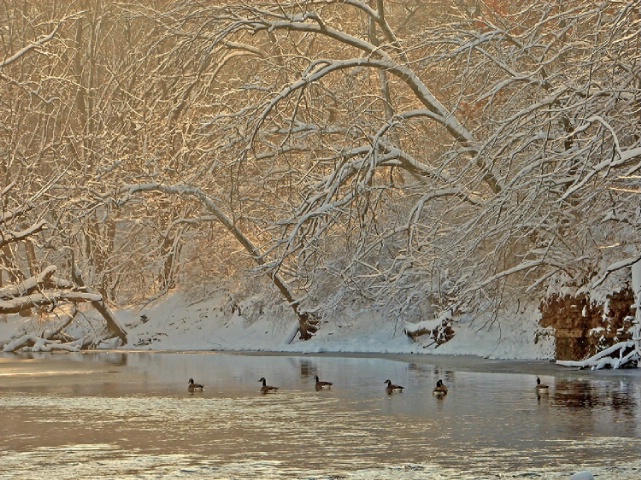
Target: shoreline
[[470, 363]]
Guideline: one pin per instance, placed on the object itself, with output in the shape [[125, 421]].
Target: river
[[128, 415]]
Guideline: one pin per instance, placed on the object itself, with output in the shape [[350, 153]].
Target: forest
[[425, 157]]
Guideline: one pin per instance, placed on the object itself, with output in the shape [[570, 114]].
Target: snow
[[636, 288], [604, 359], [582, 476], [219, 321]]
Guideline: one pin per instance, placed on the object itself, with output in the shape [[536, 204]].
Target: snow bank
[[220, 322]]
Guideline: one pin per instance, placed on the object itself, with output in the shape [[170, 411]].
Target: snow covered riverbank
[[174, 323]]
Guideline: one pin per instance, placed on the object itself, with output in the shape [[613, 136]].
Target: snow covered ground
[[214, 323], [215, 319], [176, 322]]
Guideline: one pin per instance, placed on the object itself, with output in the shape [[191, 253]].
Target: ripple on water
[[108, 461], [489, 427]]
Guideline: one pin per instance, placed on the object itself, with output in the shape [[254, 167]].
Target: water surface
[[129, 415]]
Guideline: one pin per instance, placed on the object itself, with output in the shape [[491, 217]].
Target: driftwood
[[49, 338], [53, 338], [627, 357], [34, 343]]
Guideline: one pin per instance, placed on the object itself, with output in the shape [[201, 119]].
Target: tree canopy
[[426, 157]]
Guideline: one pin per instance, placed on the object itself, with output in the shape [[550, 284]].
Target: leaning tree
[[421, 157], [426, 158], [34, 287]]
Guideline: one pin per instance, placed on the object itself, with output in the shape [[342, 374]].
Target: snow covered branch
[[307, 324], [13, 237], [19, 304], [376, 58], [628, 357], [44, 279], [28, 48], [628, 262]]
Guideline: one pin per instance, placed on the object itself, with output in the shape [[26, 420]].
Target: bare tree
[[427, 158], [40, 180], [44, 290], [450, 165]]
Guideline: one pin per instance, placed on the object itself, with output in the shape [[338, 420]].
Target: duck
[[266, 388], [440, 389], [391, 388], [541, 387], [194, 387], [320, 385]]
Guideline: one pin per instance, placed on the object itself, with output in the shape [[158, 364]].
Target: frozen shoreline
[[175, 324]]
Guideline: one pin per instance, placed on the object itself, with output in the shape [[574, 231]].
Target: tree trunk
[[113, 325], [636, 288], [30, 253], [308, 323]]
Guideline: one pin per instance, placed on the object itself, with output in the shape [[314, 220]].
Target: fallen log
[[628, 357], [34, 343]]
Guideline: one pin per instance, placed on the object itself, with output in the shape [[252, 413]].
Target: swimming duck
[[541, 387], [391, 388], [194, 387], [440, 389], [320, 385], [266, 388]]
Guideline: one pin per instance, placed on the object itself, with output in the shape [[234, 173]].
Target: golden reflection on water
[[133, 415]]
